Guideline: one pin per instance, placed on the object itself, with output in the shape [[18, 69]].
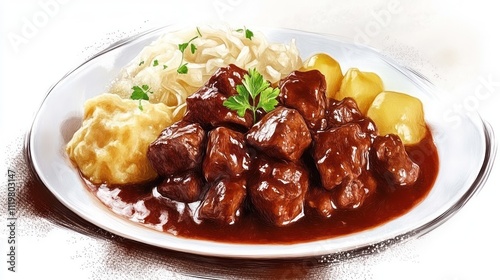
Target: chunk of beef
[[368, 126], [226, 154], [225, 79], [341, 154], [224, 201], [346, 111], [353, 194], [278, 190], [185, 187], [342, 112], [321, 200], [282, 133], [305, 92], [350, 195], [391, 161], [205, 106], [179, 147]]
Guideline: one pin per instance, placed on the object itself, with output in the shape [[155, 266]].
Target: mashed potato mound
[[111, 145]]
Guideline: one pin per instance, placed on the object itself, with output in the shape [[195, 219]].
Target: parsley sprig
[[140, 93], [254, 93], [183, 69], [248, 32]]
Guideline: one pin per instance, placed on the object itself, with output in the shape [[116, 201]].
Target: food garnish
[[140, 93], [248, 32], [182, 69], [253, 94]]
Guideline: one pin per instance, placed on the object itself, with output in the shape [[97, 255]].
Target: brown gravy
[[176, 218]]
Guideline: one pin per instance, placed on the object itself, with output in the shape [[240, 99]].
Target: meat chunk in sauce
[[346, 111], [205, 106], [341, 154], [225, 79], [305, 92], [353, 194], [368, 126], [391, 161], [321, 200], [281, 133], [350, 195], [223, 201], [179, 148], [185, 187], [226, 154], [342, 112], [278, 190]]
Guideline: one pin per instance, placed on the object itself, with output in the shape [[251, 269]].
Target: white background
[[455, 44]]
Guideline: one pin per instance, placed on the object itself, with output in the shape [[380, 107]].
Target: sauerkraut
[[157, 64]]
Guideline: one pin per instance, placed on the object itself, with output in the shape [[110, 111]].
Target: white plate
[[464, 142]]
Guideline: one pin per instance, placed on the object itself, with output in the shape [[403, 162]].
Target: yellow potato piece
[[400, 114], [329, 67], [361, 86]]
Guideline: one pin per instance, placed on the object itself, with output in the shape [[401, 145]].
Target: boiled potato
[[400, 114], [329, 67], [361, 86]]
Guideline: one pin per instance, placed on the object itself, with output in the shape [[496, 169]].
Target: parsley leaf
[[248, 32], [141, 63], [268, 99], [155, 62], [183, 46], [140, 93], [182, 69], [253, 87], [238, 103]]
